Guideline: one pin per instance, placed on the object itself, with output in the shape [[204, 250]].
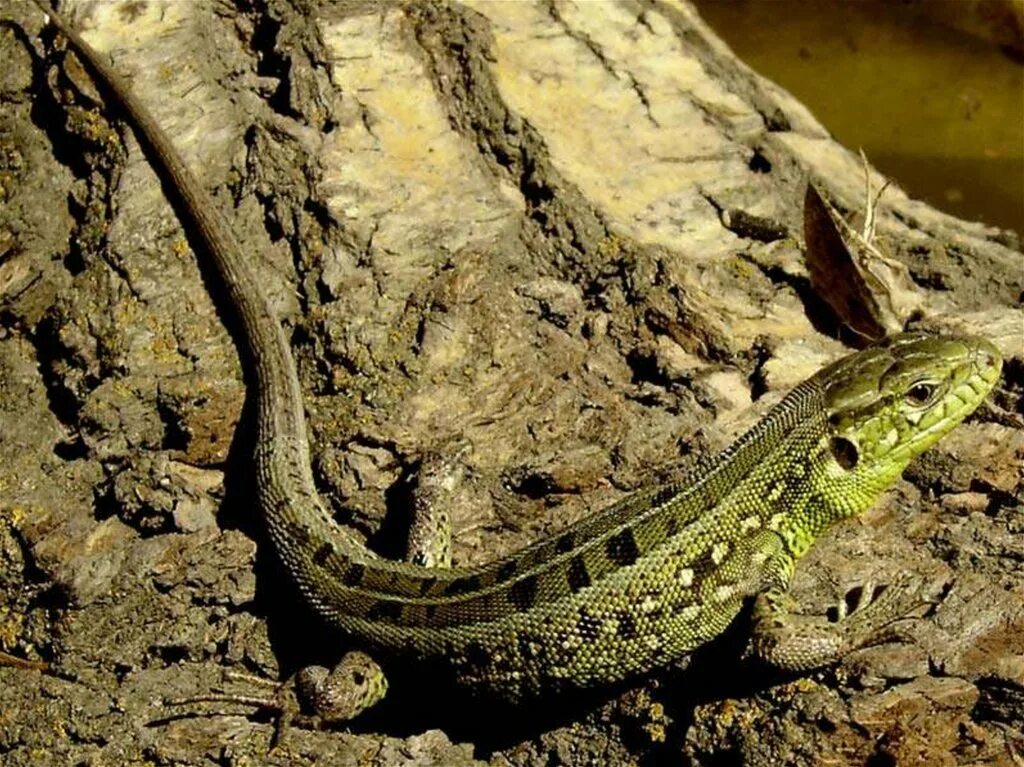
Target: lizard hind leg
[[357, 682], [280, 699], [317, 696], [429, 543], [314, 697]]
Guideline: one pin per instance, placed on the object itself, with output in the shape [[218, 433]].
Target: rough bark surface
[[560, 241]]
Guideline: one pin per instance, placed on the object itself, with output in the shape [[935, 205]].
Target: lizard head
[[889, 403]]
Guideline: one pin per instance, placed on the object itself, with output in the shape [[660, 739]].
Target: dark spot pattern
[[323, 553], [845, 452], [527, 647], [577, 575], [523, 593], [354, 575], [664, 495], [622, 549], [565, 543], [671, 526], [477, 655], [427, 585], [678, 607], [506, 571], [385, 611], [588, 626], [703, 563], [298, 532], [627, 626], [462, 585], [708, 499]]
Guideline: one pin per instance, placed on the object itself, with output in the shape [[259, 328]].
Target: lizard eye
[[921, 394]]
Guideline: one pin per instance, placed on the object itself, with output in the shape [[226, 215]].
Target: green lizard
[[632, 588]]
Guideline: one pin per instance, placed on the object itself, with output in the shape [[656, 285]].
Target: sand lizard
[[632, 588]]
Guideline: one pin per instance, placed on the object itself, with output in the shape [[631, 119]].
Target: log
[[563, 242]]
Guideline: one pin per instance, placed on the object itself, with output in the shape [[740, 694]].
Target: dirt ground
[[562, 242]]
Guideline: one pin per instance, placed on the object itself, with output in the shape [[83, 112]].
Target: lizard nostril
[[987, 359]]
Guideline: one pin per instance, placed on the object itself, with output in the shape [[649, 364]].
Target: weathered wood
[[560, 241]]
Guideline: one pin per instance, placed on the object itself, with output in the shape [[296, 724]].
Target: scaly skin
[[638, 585]]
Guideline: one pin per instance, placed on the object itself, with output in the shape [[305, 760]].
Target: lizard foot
[[313, 698], [868, 615], [280, 700], [873, 614], [438, 479]]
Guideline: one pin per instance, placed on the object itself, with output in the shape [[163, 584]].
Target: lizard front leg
[[868, 615]]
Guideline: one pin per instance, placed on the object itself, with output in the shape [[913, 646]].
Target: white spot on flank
[[750, 523], [723, 593], [686, 577], [718, 552], [775, 521], [689, 613]]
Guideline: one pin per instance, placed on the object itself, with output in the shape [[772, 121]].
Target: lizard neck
[[833, 493]]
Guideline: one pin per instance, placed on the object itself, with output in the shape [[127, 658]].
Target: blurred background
[[932, 90]]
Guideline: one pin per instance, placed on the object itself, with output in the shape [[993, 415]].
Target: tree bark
[[561, 241]]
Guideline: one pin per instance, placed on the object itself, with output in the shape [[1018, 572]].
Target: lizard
[[634, 587]]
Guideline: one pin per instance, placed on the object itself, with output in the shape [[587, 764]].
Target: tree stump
[[562, 241]]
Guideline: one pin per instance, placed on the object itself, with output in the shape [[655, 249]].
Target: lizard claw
[[874, 614]]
